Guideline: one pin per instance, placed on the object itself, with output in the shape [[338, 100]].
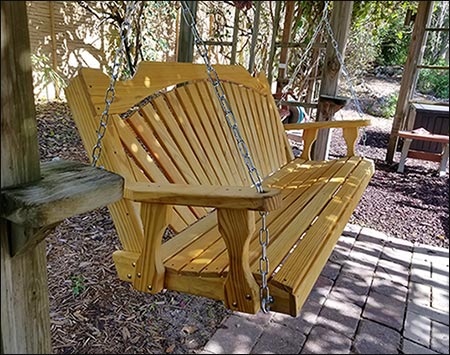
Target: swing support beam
[[340, 24], [34, 197]]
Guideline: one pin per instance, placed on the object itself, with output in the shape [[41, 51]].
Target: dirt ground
[[92, 311]]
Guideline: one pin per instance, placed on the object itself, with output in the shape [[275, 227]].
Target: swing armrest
[[233, 197], [327, 124], [310, 130]]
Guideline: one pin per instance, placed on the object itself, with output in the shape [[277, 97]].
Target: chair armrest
[[327, 124], [310, 130], [232, 197]]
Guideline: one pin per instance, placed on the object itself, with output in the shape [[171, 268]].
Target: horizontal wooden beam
[[436, 67], [429, 137], [427, 102], [67, 188], [218, 43], [417, 154], [437, 29], [204, 196], [299, 45]]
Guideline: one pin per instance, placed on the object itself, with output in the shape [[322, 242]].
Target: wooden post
[[54, 44], [408, 83], [286, 38], [25, 322], [237, 12], [340, 23], [255, 31], [186, 39], [177, 32], [311, 84], [274, 41]]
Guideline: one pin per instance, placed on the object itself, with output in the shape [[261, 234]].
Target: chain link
[[111, 92], [266, 299]]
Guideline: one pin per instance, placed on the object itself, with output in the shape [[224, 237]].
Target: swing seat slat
[[182, 170]]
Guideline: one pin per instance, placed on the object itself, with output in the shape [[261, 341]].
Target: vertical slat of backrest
[[213, 132], [263, 164], [148, 164], [271, 124], [285, 147], [269, 146], [123, 212], [238, 106], [151, 165], [181, 143], [169, 173], [202, 151], [258, 124], [201, 146], [222, 151], [177, 222], [256, 127], [169, 149], [141, 129], [245, 126], [169, 155], [229, 146], [245, 117]]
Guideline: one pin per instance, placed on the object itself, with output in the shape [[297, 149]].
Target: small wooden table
[[424, 135]]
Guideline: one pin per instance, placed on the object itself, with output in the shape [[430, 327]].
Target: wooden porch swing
[[168, 137]]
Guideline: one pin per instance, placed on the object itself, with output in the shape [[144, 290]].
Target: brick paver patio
[[376, 295]]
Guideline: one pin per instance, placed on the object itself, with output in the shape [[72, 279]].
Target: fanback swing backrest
[[179, 133]]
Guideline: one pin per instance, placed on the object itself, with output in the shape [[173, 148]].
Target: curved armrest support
[[310, 130], [233, 197]]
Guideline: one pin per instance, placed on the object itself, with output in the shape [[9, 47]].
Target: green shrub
[[384, 107], [434, 82], [394, 43], [78, 284]]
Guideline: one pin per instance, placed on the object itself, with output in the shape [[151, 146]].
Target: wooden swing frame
[[164, 152]]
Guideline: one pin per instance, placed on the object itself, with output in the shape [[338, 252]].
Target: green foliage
[[394, 43], [78, 284], [41, 64], [434, 82], [382, 24], [362, 50], [388, 109], [437, 41], [384, 107]]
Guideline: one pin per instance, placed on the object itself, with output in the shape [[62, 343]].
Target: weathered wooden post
[[32, 204], [410, 73], [340, 23], [186, 39], [25, 325], [276, 26], [286, 38]]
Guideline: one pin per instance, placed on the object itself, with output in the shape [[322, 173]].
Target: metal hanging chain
[[265, 297], [125, 30]]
